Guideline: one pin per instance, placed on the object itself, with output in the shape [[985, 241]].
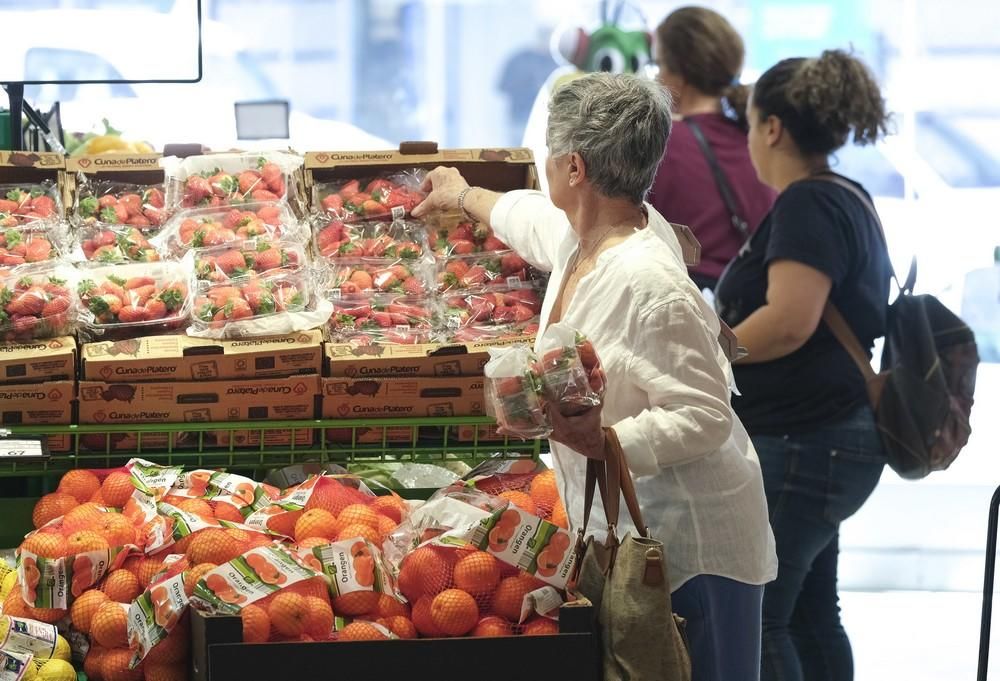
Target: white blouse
[[696, 472]]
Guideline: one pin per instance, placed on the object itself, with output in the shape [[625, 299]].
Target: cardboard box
[[141, 169], [373, 398], [32, 167], [407, 361], [38, 361], [497, 169], [182, 358], [44, 404], [259, 399]]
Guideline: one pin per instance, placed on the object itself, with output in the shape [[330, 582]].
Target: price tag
[[22, 449]]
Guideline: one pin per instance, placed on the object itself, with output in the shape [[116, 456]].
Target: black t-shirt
[[824, 226]]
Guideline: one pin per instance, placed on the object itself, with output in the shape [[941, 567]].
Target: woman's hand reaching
[[444, 185]]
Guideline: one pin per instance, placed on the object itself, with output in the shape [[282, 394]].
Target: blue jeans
[[813, 481], [723, 627]]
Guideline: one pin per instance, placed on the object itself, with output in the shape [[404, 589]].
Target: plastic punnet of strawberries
[[400, 239], [572, 377], [467, 238], [22, 205], [251, 297], [140, 206], [40, 304], [394, 195], [154, 296], [262, 255], [514, 392], [110, 245], [266, 182], [20, 246], [470, 316], [383, 319], [499, 268], [361, 276]]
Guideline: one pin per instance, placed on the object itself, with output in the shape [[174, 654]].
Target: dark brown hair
[[823, 102], [704, 49]]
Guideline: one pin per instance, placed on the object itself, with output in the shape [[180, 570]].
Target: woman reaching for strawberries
[[617, 275]]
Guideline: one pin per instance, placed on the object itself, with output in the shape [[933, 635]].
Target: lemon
[[30, 673], [62, 651], [56, 670], [7, 585]]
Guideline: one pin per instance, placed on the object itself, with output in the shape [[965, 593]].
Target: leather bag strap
[[721, 181]]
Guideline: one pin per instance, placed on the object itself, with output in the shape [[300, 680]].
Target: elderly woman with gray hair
[[617, 275]]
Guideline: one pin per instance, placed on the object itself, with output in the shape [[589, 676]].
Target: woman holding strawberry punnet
[[618, 277]]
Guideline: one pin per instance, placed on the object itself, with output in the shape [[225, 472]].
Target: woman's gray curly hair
[[618, 123]]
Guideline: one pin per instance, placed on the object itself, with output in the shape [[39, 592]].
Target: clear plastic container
[[210, 227], [358, 276], [108, 245], [482, 270], [29, 205], [137, 299], [383, 319], [120, 203], [393, 195], [503, 312], [565, 379], [401, 239], [467, 238], [250, 298], [38, 301], [26, 245], [233, 261], [514, 392], [216, 180]]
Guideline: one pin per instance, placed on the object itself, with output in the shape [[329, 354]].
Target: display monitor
[[100, 41]]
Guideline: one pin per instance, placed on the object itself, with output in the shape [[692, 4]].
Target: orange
[[358, 514], [289, 613], [242, 536], [121, 586], [85, 540], [225, 511], [83, 609], [544, 491], [521, 500], [80, 484], [83, 517], [330, 496], [311, 587], [399, 625], [173, 649], [108, 627], [454, 612], [315, 523], [117, 489], [559, 518], [45, 544], [355, 530], [165, 672], [477, 573], [390, 607], [386, 525], [422, 618], [14, 604], [198, 507], [509, 596], [98, 498], [284, 523], [93, 662], [424, 572], [356, 603], [313, 542], [213, 545], [146, 569], [116, 529], [47, 615], [492, 626], [114, 666], [195, 574], [360, 631], [319, 622], [539, 626], [52, 506], [390, 506], [256, 624]]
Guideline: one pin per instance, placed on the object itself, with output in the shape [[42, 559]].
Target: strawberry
[[218, 237], [139, 221], [407, 250], [413, 286], [173, 296], [270, 215], [153, 197], [237, 308], [333, 203], [481, 232], [223, 294], [526, 297], [349, 288], [137, 282], [492, 243], [105, 306], [522, 313], [131, 315], [132, 204], [372, 208], [446, 281], [249, 181], [38, 250], [7, 206], [351, 249], [399, 319], [264, 195], [383, 319], [26, 325], [289, 298], [350, 190], [380, 185], [475, 275], [361, 279], [231, 262], [27, 303], [480, 310], [140, 295], [462, 247], [155, 309], [43, 206], [270, 259], [512, 263], [107, 201], [272, 176], [223, 185], [197, 188], [55, 307], [457, 267], [154, 216], [462, 231]]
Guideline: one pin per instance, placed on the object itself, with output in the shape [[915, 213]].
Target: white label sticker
[[21, 449]]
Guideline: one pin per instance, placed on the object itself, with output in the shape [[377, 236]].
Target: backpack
[[923, 394]]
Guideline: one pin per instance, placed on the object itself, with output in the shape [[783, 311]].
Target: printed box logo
[[106, 372], [84, 162], [100, 416], [55, 395], [344, 410], [322, 158], [301, 389]]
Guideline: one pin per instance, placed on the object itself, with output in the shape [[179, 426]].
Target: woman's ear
[[577, 169], [774, 131]]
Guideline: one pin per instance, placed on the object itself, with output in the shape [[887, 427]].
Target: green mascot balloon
[[621, 43]]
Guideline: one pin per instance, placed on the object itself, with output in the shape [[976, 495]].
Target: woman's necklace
[[597, 244]]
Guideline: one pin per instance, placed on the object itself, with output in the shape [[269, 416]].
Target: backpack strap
[[721, 181]]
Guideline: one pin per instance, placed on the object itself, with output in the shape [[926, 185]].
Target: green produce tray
[[195, 445]]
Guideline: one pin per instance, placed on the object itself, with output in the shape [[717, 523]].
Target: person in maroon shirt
[[700, 56]]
